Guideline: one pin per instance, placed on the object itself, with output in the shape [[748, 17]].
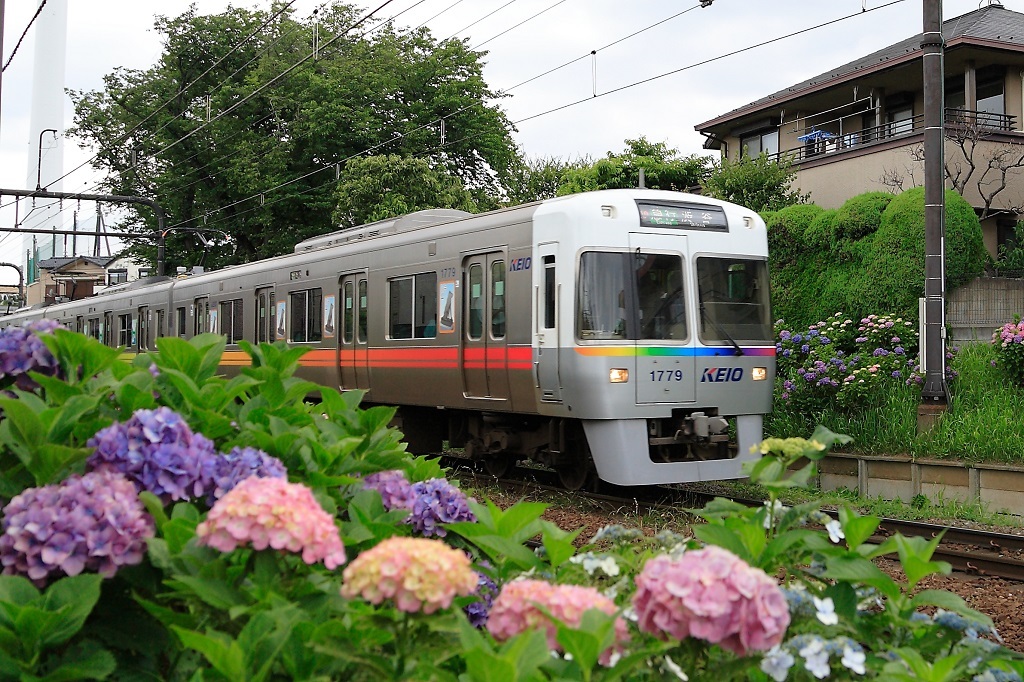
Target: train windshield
[[630, 296], [734, 304]]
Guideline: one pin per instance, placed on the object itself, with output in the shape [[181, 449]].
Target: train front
[[668, 355]]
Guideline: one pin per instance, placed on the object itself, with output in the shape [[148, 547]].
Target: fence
[[974, 310]]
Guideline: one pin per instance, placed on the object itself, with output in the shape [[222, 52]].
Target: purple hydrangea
[[22, 351], [158, 452], [92, 523], [394, 488], [234, 467], [486, 590], [438, 501]]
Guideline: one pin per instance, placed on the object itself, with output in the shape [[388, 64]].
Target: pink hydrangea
[[271, 512], [418, 574], [711, 594], [516, 610]]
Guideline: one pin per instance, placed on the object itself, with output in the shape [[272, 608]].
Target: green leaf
[[223, 653], [722, 537], [856, 569], [950, 602], [213, 591], [83, 663], [74, 598], [856, 528], [558, 544]]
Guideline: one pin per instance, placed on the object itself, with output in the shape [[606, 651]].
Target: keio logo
[[720, 375]]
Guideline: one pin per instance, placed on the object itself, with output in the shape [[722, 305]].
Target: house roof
[[991, 26], [56, 264]]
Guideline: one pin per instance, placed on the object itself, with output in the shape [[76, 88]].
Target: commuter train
[[625, 334]]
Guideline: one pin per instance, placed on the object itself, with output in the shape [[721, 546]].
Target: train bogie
[[624, 333]]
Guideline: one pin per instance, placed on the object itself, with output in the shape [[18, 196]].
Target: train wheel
[[578, 476], [498, 465]]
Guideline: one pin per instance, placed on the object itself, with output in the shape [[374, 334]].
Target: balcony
[[821, 143]]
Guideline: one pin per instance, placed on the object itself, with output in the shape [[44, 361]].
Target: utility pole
[[934, 395]]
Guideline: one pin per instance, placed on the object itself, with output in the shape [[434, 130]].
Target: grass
[[982, 423]]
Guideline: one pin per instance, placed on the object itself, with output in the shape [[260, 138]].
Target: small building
[[68, 279], [860, 127]]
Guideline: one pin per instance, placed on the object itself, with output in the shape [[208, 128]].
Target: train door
[[484, 357], [107, 329], [264, 315], [546, 301], [665, 362], [352, 342]]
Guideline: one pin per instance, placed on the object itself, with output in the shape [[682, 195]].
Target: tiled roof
[[988, 23], [58, 263]]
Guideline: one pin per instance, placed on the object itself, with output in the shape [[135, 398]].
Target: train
[[617, 335]]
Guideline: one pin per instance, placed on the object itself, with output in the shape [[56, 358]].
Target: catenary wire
[[512, 28], [23, 34]]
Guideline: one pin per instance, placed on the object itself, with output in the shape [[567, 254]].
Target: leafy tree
[[251, 134], [540, 178], [757, 183], [378, 187], [663, 169]]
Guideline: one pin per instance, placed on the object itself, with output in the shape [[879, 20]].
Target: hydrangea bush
[[1009, 343], [168, 523], [840, 362]]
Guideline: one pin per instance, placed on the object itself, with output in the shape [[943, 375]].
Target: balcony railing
[[829, 142]]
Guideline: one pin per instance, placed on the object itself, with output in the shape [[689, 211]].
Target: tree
[[539, 178], [757, 183], [663, 169], [378, 187], [252, 146]]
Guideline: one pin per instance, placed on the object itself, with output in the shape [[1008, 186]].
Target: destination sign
[[678, 214]]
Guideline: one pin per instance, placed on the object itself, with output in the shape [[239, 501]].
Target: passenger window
[[549, 292], [412, 307], [498, 299], [476, 302], [307, 315], [348, 314], [363, 310]]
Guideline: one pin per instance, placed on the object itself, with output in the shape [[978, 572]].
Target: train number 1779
[[667, 375]]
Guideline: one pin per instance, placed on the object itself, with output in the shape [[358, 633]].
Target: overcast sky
[[104, 34]]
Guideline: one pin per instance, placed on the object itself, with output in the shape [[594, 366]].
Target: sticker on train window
[[446, 307]]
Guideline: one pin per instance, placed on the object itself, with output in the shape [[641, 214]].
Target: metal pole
[[111, 198], [39, 164], [3, 4], [934, 396]]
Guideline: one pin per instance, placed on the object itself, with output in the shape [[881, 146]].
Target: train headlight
[[618, 375], [759, 373]]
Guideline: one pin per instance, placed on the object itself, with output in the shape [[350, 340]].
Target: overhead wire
[[512, 28], [24, 33]]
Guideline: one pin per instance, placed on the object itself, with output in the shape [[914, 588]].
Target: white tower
[[45, 163]]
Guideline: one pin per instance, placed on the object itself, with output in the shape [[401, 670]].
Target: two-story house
[[860, 127]]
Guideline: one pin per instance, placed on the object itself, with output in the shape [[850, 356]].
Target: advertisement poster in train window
[[214, 329], [446, 306], [329, 317], [282, 318]]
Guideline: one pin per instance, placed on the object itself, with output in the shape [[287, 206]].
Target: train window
[[107, 329], [662, 306], [362, 311], [143, 329], [348, 313], [412, 307], [201, 315], [179, 315], [549, 292], [733, 300], [307, 315], [124, 330], [159, 323], [476, 301], [602, 296], [498, 299], [93, 328], [231, 320]]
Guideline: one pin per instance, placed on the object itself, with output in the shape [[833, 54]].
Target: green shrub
[[821, 234], [861, 215], [786, 230]]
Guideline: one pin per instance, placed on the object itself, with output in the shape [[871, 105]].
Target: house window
[[307, 315], [900, 120], [413, 307], [145, 272], [766, 141], [119, 276], [990, 95]]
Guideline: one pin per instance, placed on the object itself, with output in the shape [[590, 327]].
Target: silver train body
[[625, 334]]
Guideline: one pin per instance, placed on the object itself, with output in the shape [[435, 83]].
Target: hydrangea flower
[[394, 488], [417, 574], [776, 663], [516, 610], [22, 351], [230, 469], [429, 502], [271, 512], [157, 451], [92, 523], [711, 594], [486, 589]]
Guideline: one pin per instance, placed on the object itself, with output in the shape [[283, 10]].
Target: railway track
[[969, 551]]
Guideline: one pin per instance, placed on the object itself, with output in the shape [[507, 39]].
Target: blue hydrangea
[[486, 590], [92, 523], [157, 451], [438, 501], [230, 469], [22, 351]]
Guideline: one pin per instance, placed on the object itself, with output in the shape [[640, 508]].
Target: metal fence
[[976, 309]]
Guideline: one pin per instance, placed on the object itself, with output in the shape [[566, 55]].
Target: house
[[68, 278], [860, 127]]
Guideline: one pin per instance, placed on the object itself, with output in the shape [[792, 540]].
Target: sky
[[703, 62]]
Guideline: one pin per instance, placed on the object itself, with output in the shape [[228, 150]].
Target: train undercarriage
[[497, 441]]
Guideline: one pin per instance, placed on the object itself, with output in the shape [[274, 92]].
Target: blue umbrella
[[816, 135]]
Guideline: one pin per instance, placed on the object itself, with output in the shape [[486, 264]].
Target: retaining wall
[[998, 487]]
